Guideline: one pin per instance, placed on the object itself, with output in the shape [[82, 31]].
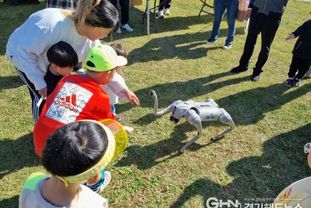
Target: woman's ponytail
[[96, 13]]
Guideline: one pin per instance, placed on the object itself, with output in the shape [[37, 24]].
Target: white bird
[[195, 113]]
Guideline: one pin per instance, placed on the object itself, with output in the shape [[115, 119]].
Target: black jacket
[[268, 7], [302, 47]]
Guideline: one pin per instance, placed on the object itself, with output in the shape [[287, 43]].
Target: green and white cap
[[103, 58]]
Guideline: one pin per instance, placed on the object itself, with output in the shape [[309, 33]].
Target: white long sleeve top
[[28, 44], [115, 87]]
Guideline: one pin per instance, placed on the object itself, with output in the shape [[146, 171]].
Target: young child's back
[[74, 154], [31, 196], [76, 97]]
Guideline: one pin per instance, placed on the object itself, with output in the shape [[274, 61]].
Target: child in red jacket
[[78, 97]]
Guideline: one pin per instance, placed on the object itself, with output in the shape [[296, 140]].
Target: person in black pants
[[301, 54], [164, 8], [125, 15], [265, 19]]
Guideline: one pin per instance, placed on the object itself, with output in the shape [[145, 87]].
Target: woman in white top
[[28, 44]]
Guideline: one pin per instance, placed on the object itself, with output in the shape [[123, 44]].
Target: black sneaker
[[211, 41], [296, 82], [289, 81], [238, 69]]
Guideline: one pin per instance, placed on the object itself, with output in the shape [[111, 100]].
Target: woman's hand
[[43, 92]]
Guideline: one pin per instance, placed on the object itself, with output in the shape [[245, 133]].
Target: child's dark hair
[[62, 54], [74, 148], [119, 48]]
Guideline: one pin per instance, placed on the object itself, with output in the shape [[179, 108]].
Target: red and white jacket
[[76, 97]]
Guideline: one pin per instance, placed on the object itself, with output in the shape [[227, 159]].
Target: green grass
[[258, 159]]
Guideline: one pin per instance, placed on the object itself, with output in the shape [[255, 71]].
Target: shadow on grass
[[11, 202], [250, 106], [168, 24], [148, 156], [173, 23], [17, 154], [282, 163], [246, 107], [10, 82], [167, 92], [184, 46]]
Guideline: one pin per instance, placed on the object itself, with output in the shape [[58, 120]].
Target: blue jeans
[[219, 8]]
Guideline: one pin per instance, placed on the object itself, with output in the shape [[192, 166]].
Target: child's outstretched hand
[[290, 36], [131, 97]]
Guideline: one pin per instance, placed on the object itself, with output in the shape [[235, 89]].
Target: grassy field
[[258, 159]]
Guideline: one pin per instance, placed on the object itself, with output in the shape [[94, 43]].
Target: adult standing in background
[[265, 19], [164, 8], [27, 46], [62, 4], [220, 6], [125, 14]]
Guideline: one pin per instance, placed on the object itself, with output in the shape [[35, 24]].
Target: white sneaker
[[160, 14], [227, 46], [296, 82], [167, 11], [118, 30], [308, 74], [255, 78], [127, 27]]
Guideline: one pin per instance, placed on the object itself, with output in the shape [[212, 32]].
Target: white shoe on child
[[118, 30], [296, 82], [167, 11], [308, 74], [160, 14], [127, 27]]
